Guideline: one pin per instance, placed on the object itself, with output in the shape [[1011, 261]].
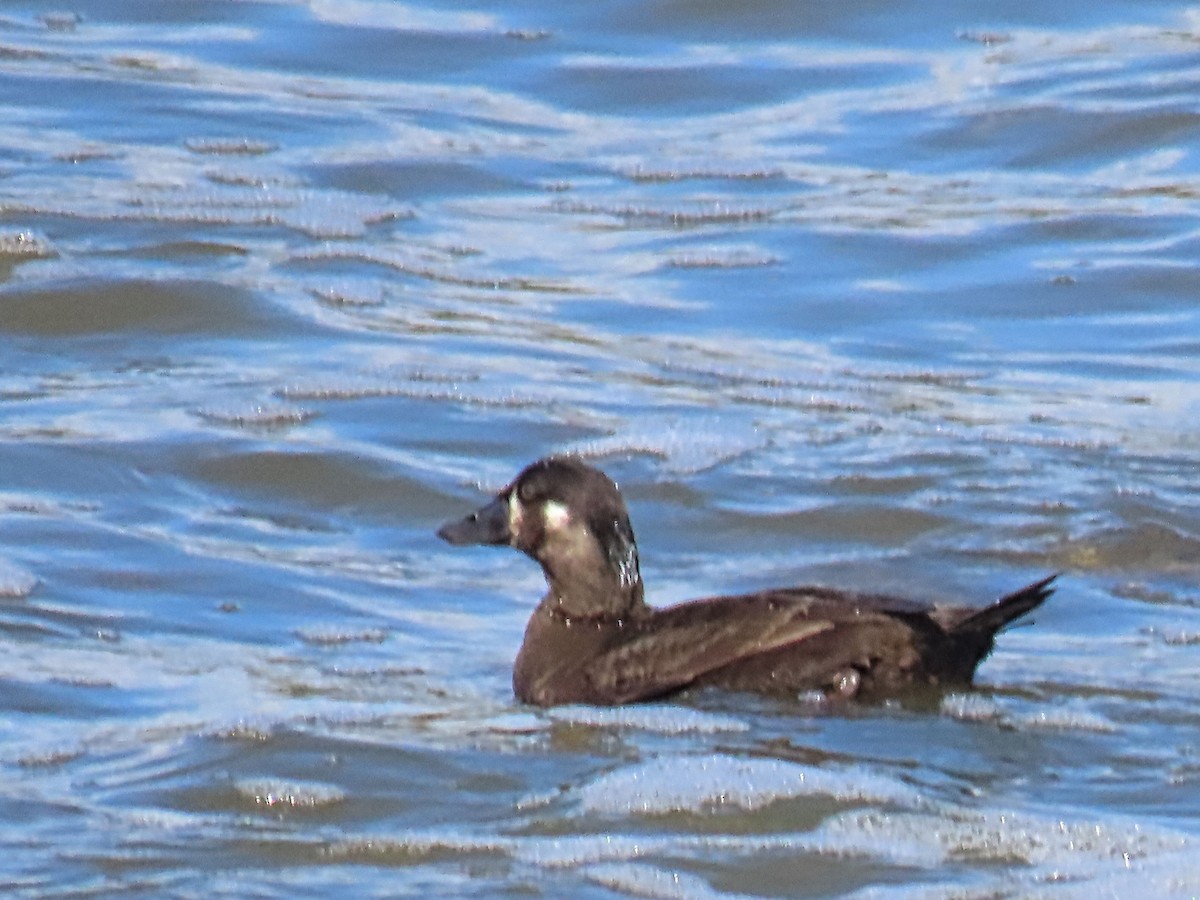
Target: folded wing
[[671, 658]]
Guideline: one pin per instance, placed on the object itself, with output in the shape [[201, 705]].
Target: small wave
[[656, 719], [721, 259], [16, 583], [335, 635], [1180, 638], [696, 783], [1027, 853], [289, 794], [22, 245], [685, 447], [257, 416], [1044, 850], [640, 880], [1067, 717], [1144, 545], [230, 146]]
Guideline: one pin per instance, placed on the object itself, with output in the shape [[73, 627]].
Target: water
[[898, 297]]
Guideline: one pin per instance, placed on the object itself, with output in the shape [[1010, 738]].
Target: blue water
[[897, 297]]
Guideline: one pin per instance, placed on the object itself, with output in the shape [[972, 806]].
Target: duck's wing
[[679, 650]]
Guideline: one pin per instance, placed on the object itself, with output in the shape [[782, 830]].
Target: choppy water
[[901, 297]]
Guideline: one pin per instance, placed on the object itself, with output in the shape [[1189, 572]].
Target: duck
[[594, 640]]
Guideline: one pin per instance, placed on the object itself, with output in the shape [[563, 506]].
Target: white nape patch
[[627, 564], [555, 515]]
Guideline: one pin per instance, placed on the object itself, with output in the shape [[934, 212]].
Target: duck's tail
[[985, 623]]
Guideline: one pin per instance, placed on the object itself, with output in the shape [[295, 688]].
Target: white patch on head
[[555, 515], [515, 512]]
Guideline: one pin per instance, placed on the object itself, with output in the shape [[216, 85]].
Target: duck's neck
[[601, 594]]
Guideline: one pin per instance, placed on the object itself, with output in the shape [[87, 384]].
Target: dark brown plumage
[[593, 639]]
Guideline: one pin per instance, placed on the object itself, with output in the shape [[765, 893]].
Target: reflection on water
[[898, 299]]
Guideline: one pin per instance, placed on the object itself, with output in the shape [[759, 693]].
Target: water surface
[[898, 297]]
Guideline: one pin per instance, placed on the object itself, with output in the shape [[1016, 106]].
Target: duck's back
[[797, 640]]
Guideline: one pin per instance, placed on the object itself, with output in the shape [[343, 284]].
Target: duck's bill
[[488, 525]]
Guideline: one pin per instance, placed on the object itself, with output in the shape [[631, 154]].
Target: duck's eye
[[527, 491]]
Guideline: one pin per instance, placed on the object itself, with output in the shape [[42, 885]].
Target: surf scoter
[[593, 639]]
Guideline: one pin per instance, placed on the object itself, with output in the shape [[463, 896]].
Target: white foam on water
[[1013, 854], [515, 723], [571, 851], [1163, 875], [1034, 850], [656, 719], [256, 416], [559, 852], [333, 635], [636, 880], [25, 245], [16, 582], [669, 784], [1072, 715], [276, 794], [685, 446]]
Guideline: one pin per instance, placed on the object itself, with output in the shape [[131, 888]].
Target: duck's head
[[570, 518]]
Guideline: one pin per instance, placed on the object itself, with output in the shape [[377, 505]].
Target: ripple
[[267, 418], [1143, 545], [152, 307], [334, 635], [230, 146], [685, 447]]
